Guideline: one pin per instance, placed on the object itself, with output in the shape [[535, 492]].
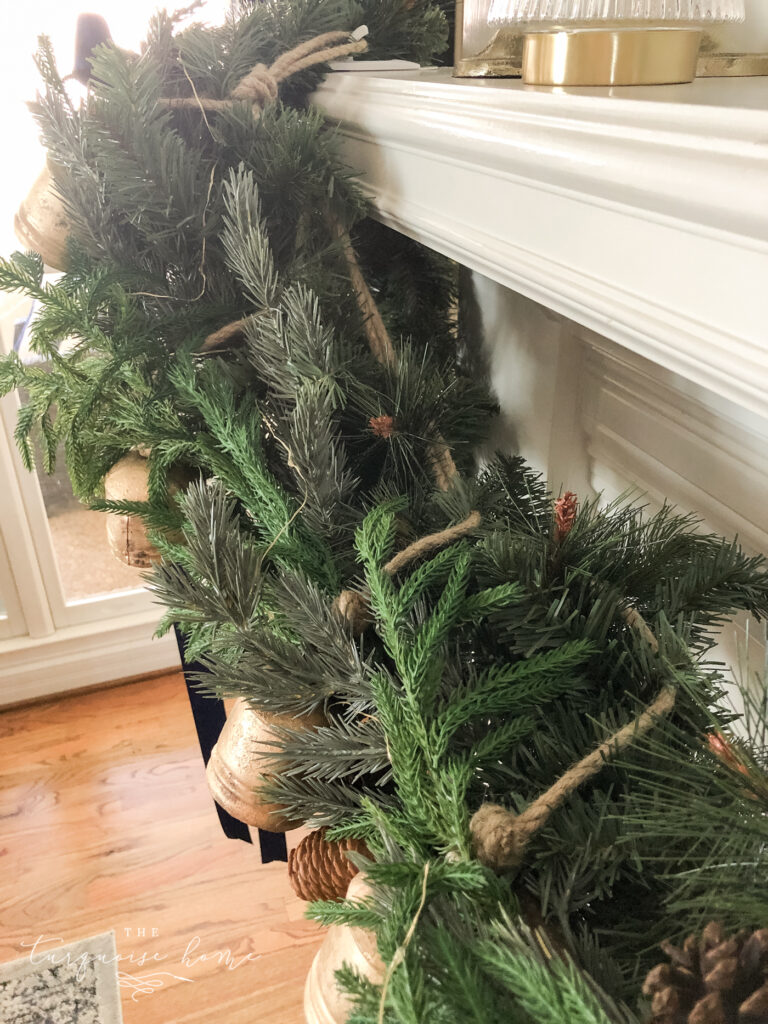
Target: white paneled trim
[[639, 213], [82, 656], [672, 440], [646, 474]]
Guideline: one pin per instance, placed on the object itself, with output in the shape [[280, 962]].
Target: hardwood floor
[[106, 823]]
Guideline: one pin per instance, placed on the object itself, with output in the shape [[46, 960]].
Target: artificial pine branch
[[318, 430], [701, 798]]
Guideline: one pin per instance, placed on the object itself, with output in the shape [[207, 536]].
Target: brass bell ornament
[[240, 760], [42, 224], [324, 1003], [128, 480]]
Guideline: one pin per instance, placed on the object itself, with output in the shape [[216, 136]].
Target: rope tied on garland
[[500, 837], [383, 351], [379, 341], [354, 607], [431, 542], [438, 452], [261, 85]]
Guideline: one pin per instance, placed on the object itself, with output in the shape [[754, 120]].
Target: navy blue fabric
[[209, 716]]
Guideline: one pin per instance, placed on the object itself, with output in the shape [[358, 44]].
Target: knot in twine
[[500, 837], [494, 839], [260, 86]]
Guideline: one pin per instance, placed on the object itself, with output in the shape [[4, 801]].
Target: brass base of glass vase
[[636, 56], [501, 58]]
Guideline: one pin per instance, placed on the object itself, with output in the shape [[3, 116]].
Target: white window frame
[[47, 643]]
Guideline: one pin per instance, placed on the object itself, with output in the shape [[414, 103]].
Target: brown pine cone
[[319, 869], [712, 980]]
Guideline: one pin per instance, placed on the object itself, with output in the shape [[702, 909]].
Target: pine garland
[[472, 641]]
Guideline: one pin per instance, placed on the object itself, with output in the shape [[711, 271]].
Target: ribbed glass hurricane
[[569, 12]]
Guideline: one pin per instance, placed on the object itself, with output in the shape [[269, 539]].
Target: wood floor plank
[[106, 823]]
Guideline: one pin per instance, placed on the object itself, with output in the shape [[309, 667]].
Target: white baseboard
[[83, 656]]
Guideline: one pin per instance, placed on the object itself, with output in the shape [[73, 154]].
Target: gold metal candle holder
[[716, 62], [737, 49], [732, 65]]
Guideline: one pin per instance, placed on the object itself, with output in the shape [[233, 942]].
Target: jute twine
[[354, 606], [399, 956], [260, 86], [382, 349], [225, 334], [376, 333], [432, 542], [500, 837]]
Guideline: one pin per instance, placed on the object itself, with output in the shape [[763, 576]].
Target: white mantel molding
[[641, 214]]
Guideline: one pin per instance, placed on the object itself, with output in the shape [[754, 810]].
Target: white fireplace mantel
[[641, 214], [640, 217]]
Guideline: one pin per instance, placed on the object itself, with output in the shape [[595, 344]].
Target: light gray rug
[[58, 984]]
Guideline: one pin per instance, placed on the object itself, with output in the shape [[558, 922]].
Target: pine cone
[[712, 980], [319, 869]]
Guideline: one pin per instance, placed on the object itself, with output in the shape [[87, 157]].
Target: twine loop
[[500, 837], [354, 607], [260, 86]]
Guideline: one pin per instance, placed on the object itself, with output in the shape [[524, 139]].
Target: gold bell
[[128, 480], [42, 224], [240, 760], [324, 1003]]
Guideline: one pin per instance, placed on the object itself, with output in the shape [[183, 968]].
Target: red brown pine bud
[[565, 515], [382, 426]]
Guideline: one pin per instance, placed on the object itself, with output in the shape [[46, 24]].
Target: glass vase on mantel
[[737, 50], [483, 50], [606, 42]]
